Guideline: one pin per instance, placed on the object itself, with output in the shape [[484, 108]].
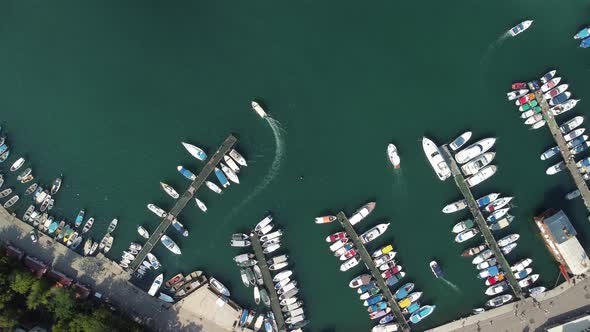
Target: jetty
[[366, 258], [268, 283], [181, 202], [481, 222], [565, 151]]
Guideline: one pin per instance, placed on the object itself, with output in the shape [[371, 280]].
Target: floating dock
[[268, 283], [481, 222], [366, 258], [181, 203], [565, 151]]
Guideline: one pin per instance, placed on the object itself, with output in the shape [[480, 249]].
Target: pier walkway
[[481, 222], [565, 152], [366, 258], [181, 203], [268, 283]]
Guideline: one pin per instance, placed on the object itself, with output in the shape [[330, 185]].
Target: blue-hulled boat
[[422, 313], [584, 33], [403, 291], [52, 227], [583, 162], [243, 316], [411, 308], [487, 199], [366, 287], [373, 300], [221, 177], [577, 141], [550, 153], [79, 218], [560, 98], [376, 307], [391, 281], [579, 148], [436, 270], [585, 43], [386, 319], [3, 148], [180, 228], [186, 173]]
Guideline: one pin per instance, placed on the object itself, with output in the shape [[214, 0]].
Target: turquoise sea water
[[103, 93]]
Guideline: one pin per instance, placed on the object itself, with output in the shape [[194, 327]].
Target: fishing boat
[[393, 156], [403, 291], [422, 313], [458, 142], [560, 98], [536, 291], [213, 187], [482, 256], [88, 225], [17, 164], [4, 193], [521, 265], [571, 124], [359, 281], [186, 173], [350, 264], [238, 157], [219, 287], [55, 186], [156, 210], [499, 300], [455, 206], [30, 189], [24, 174], [382, 251], [143, 232], [112, 225], [258, 109], [520, 27], [169, 190], [550, 84], [221, 177], [476, 164], [466, 235], [195, 151], [436, 160], [436, 270], [335, 237], [231, 175], [564, 107], [497, 215], [179, 227], [362, 213], [170, 245], [486, 173], [240, 243], [462, 226], [373, 233], [560, 166], [156, 285], [556, 91], [573, 134], [526, 282], [498, 204], [516, 94]]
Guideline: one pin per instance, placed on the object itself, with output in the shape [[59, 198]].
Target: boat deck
[[181, 203], [366, 258], [565, 152], [481, 222], [268, 283]]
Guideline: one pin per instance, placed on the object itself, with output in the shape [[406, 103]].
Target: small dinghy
[[393, 156], [11, 201]]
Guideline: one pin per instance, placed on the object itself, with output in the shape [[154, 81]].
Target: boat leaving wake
[[492, 47], [452, 285]]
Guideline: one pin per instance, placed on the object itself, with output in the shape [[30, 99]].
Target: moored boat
[[112, 225], [483, 201], [516, 94], [382, 251], [462, 226], [231, 175], [213, 187], [219, 287], [571, 124], [474, 150], [455, 206], [325, 219], [564, 107], [17, 164], [498, 204], [195, 151], [432, 152], [156, 285], [466, 235], [458, 142], [156, 210], [238, 157], [486, 173], [88, 225], [499, 300], [201, 205], [30, 189], [521, 265], [584, 33], [422, 313], [231, 164], [547, 77], [170, 245], [573, 134], [362, 213], [154, 262], [373, 233], [143, 232], [556, 91], [497, 215], [550, 84], [560, 166], [482, 256], [179, 227], [359, 281], [221, 177], [169, 190], [186, 173], [550, 153], [11, 201], [476, 164]]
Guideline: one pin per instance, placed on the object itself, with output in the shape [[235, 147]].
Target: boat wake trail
[[452, 285], [485, 59], [399, 183]]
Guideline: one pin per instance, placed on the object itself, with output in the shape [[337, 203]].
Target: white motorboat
[[455, 206], [195, 151], [508, 239], [497, 215], [156, 285], [564, 107], [393, 156], [466, 235], [231, 175], [271, 236], [432, 152], [474, 150], [373, 233], [550, 84], [476, 164], [169, 190], [143, 232], [482, 256], [560, 166], [521, 265], [219, 287], [201, 205], [214, 188], [263, 223], [538, 124], [240, 243], [573, 134], [156, 210], [526, 282], [258, 109], [350, 264], [497, 288], [362, 213], [486, 173], [462, 226], [520, 27], [571, 124], [238, 157], [231, 164], [533, 119], [516, 94], [17, 164], [498, 204], [154, 262], [170, 245], [458, 142]]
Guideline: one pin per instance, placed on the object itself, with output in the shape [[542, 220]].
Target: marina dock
[[366, 258], [565, 151], [181, 203], [481, 222], [268, 283]]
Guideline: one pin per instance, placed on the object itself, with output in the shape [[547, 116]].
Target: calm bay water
[[105, 92]]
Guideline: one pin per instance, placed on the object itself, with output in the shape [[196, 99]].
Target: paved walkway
[[559, 304], [107, 278]]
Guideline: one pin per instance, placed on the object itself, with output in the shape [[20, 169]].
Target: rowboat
[[560, 166], [362, 213], [221, 177], [458, 142], [201, 205], [466, 235], [550, 84], [5, 192], [170, 245], [169, 190], [476, 164], [373, 233], [156, 285], [455, 206], [143, 232], [573, 134], [213, 187], [436, 160], [571, 124], [88, 225], [325, 219], [498, 204], [238, 157], [156, 210], [56, 185], [393, 156], [486, 173], [195, 151], [564, 107], [231, 175], [186, 173], [112, 225], [17, 164]]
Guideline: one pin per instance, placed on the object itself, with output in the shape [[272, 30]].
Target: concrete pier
[[366, 258], [565, 151], [268, 283], [481, 222], [181, 203]]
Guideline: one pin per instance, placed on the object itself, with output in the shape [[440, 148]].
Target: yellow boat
[[404, 303], [383, 250]]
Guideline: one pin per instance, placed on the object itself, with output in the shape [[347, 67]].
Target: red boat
[[350, 254], [493, 280], [335, 237], [391, 272], [174, 280], [518, 86]]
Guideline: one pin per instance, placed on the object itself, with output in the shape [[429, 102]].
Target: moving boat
[[458, 142], [393, 156], [156, 210], [462, 226], [88, 225], [476, 164], [238, 157], [231, 164], [201, 205], [362, 213], [498, 204], [186, 173], [560, 98], [231, 175], [258, 109], [560, 166], [584, 33], [219, 287], [564, 107], [17, 164], [112, 225], [422, 313], [195, 151], [436, 160], [143, 232], [221, 177], [170, 245], [156, 285], [11, 201], [571, 124], [325, 219], [520, 27], [550, 84], [486, 173], [169, 190], [456, 206], [516, 94], [213, 187], [497, 215], [436, 270], [55, 186], [550, 153], [499, 300], [466, 235], [573, 134], [373, 233]]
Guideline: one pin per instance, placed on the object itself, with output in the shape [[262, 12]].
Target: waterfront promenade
[[106, 277], [181, 203]]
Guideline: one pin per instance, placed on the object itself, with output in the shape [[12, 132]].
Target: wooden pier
[[268, 283], [181, 203], [366, 258], [481, 222], [565, 151]]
